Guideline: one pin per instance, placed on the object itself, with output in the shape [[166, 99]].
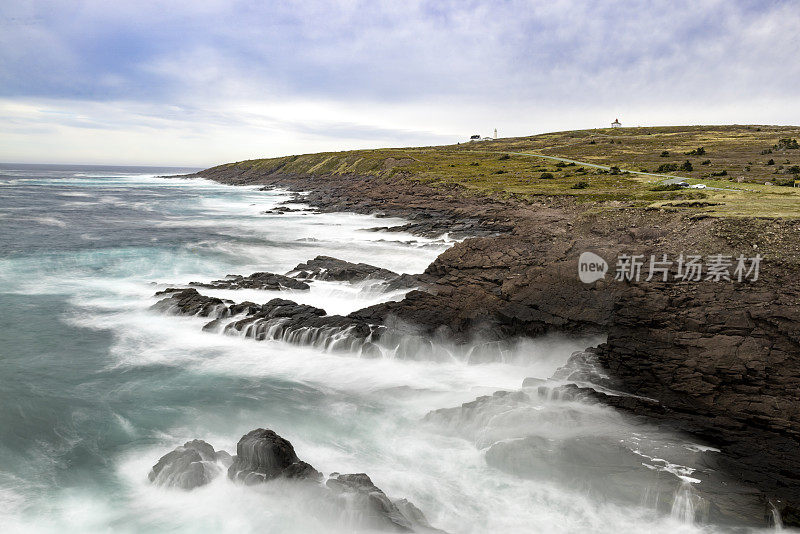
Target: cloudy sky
[[207, 81]]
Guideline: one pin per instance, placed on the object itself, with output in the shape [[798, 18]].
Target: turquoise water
[[95, 387]]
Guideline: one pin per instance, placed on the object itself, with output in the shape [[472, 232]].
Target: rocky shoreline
[[715, 359]]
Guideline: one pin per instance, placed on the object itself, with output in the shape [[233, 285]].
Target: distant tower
[[616, 124], [495, 133]]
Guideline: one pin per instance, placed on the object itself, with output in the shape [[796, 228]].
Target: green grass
[[499, 168]]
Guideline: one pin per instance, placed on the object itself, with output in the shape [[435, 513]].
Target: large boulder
[[263, 455], [193, 464]]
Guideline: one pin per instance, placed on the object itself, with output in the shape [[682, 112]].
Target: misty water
[[95, 386]]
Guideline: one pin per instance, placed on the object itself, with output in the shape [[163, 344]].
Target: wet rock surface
[[191, 302], [718, 359], [263, 456], [267, 281], [278, 319], [375, 510], [189, 466], [328, 268]]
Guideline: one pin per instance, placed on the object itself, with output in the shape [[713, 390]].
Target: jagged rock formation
[[719, 359], [191, 465], [373, 508], [268, 281], [263, 456], [278, 319], [328, 268]]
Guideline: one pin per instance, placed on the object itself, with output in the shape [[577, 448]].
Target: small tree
[[771, 162], [665, 154], [687, 166]]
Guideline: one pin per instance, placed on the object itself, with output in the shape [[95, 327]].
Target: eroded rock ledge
[[263, 456], [722, 360]]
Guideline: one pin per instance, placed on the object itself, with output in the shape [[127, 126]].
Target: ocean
[[95, 386]]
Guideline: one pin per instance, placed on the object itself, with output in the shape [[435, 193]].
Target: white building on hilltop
[[616, 124]]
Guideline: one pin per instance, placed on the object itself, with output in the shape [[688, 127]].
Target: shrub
[[705, 162], [767, 151], [786, 142], [720, 173], [561, 164], [687, 166], [666, 187], [474, 164], [547, 176], [665, 154], [614, 169], [771, 162], [580, 185], [668, 167], [504, 157], [794, 169], [592, 142], [501, 171], [701, 151]]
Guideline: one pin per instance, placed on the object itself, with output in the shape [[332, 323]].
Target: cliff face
[[722, 359]]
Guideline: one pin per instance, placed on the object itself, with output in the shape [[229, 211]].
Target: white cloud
[[213, 81]]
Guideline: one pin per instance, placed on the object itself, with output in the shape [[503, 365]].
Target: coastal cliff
[[718, 359]]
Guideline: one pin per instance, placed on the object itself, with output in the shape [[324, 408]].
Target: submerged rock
[[191, 465], [263, 455], [267, 281], [369, 507]]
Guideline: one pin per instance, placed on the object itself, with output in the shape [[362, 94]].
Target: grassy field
[[739, 160]]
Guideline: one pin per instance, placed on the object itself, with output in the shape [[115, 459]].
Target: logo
[[591, 267]]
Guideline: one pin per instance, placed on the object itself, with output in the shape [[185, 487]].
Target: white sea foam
[[163, 381]]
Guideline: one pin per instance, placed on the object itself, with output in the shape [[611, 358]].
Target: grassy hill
[[753, 168]]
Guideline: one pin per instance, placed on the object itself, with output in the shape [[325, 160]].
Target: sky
[[204, 82]]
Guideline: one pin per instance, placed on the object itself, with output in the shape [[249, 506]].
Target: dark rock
[[327, 268], [190, 302], [266, 281], [189, 466], [263, 455]]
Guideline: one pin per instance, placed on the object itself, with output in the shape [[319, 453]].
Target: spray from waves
[[101, 386]]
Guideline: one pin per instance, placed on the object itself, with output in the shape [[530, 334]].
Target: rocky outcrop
[[719, 359], [189, 466], [263, 455], [278, 319], [372, 508], [266, 281], [328, 268], [190, 302]]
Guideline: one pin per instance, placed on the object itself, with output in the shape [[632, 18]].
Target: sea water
[[95, 386]]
